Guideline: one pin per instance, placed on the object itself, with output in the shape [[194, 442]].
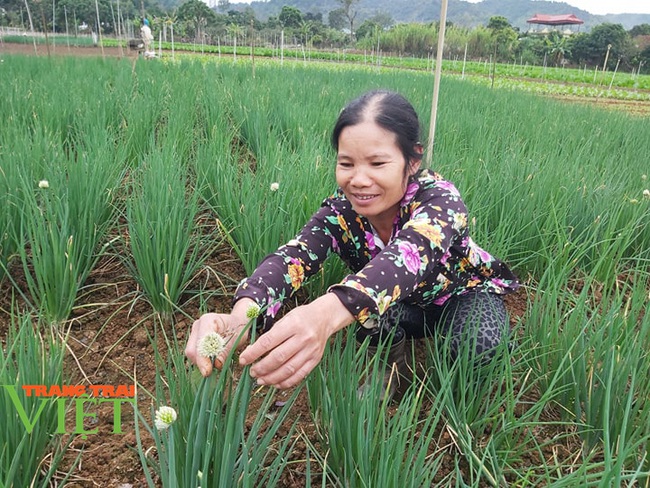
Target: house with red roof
[[554, 22]]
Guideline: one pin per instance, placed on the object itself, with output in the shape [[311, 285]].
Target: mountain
[[458, 11]]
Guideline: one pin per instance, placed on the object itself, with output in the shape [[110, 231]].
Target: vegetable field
[[135, 195]]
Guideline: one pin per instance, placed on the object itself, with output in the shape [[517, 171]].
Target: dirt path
[[42, 50]]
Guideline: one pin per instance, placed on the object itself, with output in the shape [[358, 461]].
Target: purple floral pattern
[[429, 259]]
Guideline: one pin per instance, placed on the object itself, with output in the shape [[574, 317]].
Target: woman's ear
[[414, 166], [416, 162]]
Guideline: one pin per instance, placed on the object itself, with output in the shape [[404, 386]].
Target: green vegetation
[[557, 191], [344, 26], [31, 356]]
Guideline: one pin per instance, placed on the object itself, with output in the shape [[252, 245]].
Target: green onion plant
[[31, 355], [215, 441]]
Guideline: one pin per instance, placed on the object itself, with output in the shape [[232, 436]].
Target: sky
[[599, 7]]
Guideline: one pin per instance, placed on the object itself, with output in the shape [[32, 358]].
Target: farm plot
[[133, 197]]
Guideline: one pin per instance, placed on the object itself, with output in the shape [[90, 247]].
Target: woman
[[401, 230]]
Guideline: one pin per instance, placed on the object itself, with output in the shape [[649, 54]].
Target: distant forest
[[459, 12]]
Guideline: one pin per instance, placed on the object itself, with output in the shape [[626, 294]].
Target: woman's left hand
[[287, 353]]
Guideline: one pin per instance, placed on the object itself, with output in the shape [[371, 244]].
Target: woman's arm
[[276, 278], [434, 221]]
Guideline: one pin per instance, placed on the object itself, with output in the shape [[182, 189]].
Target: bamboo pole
[[67, 30], [31, 26], [99, 28], [47, 42], [436, 82]]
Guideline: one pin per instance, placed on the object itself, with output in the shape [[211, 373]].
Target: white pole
[[67, 31], [614, 75], [464, 62], [99, 28], [436, 82], [31, 26]]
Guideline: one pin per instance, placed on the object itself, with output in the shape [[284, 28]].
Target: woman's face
[[370, 171]]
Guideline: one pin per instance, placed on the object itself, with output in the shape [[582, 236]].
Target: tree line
[[195, 21]]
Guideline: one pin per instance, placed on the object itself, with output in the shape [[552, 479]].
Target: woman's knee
[[478, 324]]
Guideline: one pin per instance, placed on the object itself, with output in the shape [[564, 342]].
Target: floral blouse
[[430, 256]]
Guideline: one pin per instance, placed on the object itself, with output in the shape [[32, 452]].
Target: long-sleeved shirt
[[429, 258]]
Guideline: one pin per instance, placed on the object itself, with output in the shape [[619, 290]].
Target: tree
[[640, 30], [198, 14], [305, 31], [350, 13], [504, 36], [223, 5], [592, 48], [290, 17], [316, 18], [368, 28], [383, 19], [643, 60], [498, 22], [372, 25], [556, 47], [235, 31], [336, 19]]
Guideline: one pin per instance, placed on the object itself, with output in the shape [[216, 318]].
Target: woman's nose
[[360, 178]]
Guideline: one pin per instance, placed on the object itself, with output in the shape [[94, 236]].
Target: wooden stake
[[436, 82]]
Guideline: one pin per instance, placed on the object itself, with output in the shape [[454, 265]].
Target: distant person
[[403, 232], [147, 38]]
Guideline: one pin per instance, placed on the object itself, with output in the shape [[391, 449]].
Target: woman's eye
[[344, 164], [377, 164]]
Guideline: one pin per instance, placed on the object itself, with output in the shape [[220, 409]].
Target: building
[[560, 23]]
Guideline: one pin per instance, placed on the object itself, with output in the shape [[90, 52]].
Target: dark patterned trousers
[[478, 319]]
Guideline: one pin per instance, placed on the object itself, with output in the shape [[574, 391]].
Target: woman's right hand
[[229, 326]]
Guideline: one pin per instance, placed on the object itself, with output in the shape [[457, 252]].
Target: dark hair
[[390, 111]]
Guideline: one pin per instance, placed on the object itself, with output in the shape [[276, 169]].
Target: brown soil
[[42, 50]]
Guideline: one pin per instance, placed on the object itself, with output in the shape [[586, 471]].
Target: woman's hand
[[288, 352], [229, 326]]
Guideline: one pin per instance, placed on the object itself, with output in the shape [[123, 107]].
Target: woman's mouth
[[364, 198]]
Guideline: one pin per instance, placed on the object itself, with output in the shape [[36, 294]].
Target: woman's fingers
[[207, 323], [290, 372], [266, 342], [285, 355]]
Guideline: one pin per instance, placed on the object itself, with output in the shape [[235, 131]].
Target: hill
[[458, 12]]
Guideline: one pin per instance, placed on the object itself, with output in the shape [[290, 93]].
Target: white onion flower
[[252, 312], [165, 416], [211, 345], [275, 186], [646, 193], [43, 184]]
